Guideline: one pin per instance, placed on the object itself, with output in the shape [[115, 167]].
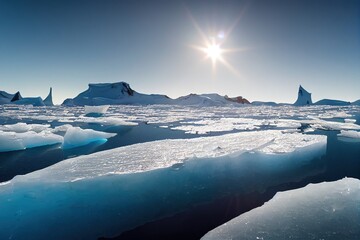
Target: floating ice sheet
[[327, 210], [12, 141], [165, 153]]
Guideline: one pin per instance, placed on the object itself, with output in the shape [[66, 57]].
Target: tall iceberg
[[48, 100], [304, 97]]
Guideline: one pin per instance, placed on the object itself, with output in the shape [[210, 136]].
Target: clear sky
[[67, 44]]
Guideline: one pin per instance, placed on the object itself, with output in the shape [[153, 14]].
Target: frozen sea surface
[[163, 167]]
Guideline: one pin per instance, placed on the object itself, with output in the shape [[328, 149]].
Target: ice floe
[[328, 210], [75, 137], [165, 153], [12, 141]]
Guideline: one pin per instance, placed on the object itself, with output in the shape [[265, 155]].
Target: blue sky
[[68, 44]]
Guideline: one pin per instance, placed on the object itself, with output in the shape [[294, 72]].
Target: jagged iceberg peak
[[304, 97], [16, 97], [48, 100]]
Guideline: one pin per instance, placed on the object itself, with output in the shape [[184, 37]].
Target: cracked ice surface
[[328, 210]]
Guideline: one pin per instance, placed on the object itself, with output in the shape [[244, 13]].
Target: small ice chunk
[[97, 110], [75, 137], [349, 135], [347, 120]]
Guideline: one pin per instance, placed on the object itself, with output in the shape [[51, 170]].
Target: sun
[[213, 51], [212, 45]]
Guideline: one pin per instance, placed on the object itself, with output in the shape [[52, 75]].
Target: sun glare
[[213, 51], [212, 45]]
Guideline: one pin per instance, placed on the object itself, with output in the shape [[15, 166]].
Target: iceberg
[[304, 97], [332, 102], [328, 210], [356, 103], [120, 93], [17, 96], [96, 110], [114, 94], [76, 137], [48, 100], [5, 97], [203, 100], [35, 101]]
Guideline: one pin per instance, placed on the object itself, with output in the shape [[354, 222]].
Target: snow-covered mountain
[[122, 93], [114, 94]]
